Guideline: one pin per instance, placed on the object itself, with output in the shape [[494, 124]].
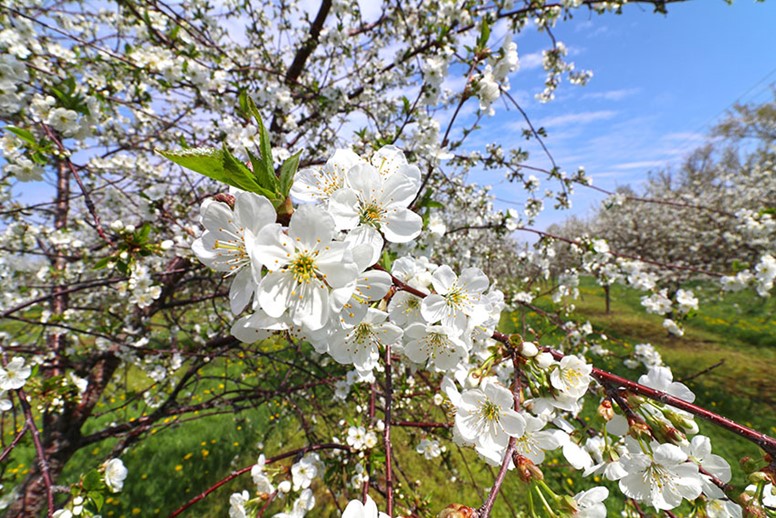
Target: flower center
[[455, 297], [363, 333], [490, 411], [371, 215], [303, 268], [435, 342]]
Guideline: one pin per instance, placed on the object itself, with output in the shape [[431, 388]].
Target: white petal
[[364, 236], [433, 308], [344, 208], [273, 248], [241, 290], [443, 278], [365, 180], [401, 225], [336, 265], [311, 227], [275, 292], [253, 211], [398, 192]]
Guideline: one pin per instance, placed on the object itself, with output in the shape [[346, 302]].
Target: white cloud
[[531, 61], [643, 164], [612, 95], [576, 118]]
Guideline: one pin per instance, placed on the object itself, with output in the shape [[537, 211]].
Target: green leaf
[[92, 481], [205, 161], [265, 174], [97, 498], [23, 134], [102, 263], [287, 172], [482, 41], [145, 230], [237, 174]]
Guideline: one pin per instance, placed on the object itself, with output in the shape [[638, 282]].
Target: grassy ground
[[179, 460]]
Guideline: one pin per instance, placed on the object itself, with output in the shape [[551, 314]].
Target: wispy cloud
[[642, 164], [531, 61], [612, 95], [576, 118]]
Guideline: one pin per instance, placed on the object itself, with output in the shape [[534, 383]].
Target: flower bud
[[225, 198], [526, 469], [605, 410], [759, 476], [456, 511], [749, 465], [638, 429], [529, 349], [544, 360], [684, 422]]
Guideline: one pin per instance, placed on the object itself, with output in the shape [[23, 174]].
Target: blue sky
[[660, 83]]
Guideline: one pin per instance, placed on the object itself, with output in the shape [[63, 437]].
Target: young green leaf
[[23, 134], [287, 172], [205, 161], [238, 175]]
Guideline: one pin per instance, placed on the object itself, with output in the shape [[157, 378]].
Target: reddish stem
[[40, 452], [387, 431]]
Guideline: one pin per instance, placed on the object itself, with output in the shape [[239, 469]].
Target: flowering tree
[[356, 254]]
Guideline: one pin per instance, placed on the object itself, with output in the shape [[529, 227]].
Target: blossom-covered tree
[[338, 250]]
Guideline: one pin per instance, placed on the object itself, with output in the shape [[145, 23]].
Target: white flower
[[14, 375], [437, 346], [64, 121], [404, 309], [304, 503], [390, 160], [718, 508], [360, 345], [237, 505], [356, 509], [661, 480], [228, 241], [657, 303], [372, 204], [303, 267], [661, 378], [370, 286], [571, 376], [318, 184], [304, 471], [672, 327], [507, 63], [429, 449], [263, 483], [534, 441], [25, 170], [436, 225], [699, 451], [487, 419], [590, 503], [456, 298], [356, 437], [686, 300], [115, 473], [488, 90]]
